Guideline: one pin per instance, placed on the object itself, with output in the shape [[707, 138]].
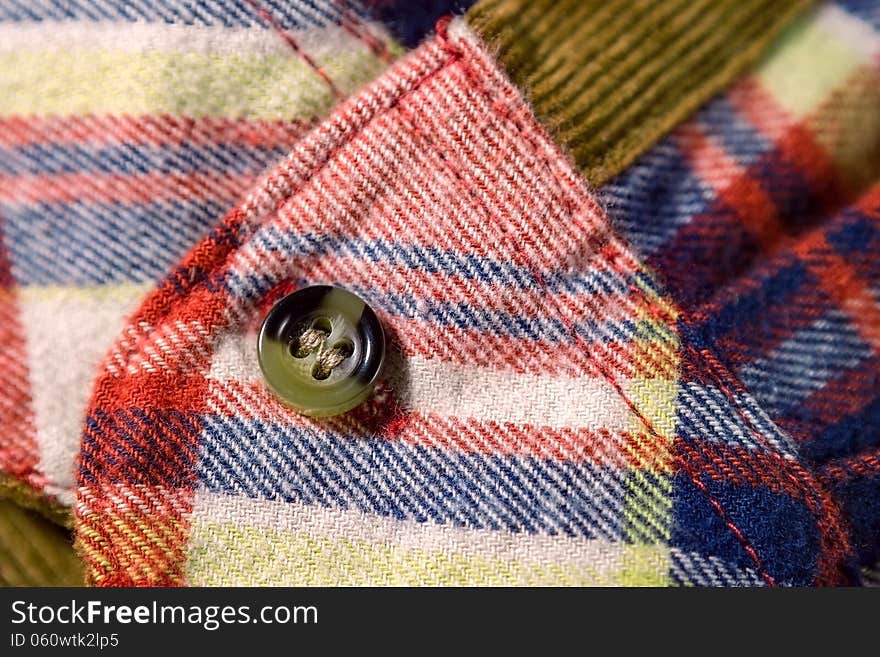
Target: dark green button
[[321, 350]]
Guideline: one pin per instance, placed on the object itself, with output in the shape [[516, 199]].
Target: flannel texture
[[126, 130], [671, 380], [548, 415], [762, 216]]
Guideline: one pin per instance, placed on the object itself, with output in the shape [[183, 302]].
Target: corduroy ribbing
[[26, 497], [34, 551], [610, 78]]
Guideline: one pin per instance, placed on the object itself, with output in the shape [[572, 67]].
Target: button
[[321, 349]]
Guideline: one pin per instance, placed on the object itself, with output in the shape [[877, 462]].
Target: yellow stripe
[[648, 509], [116, 82], [124, 292], [645, 565], [222, 554], [648, 502], [807, 65]]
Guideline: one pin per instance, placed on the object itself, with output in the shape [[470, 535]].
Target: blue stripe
[[779, 289], [466, 316], [428, 259], [120, 448], [795, 199], [513, 325], [705, 413], [866, 10], [289, 14], [477, 318], [781, 529], [740, 139], [654, 197], [860, 499], [51, 159], [805, 362], [855, 234], [89, 244], [281, 462]]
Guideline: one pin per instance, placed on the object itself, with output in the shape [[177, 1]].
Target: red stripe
[[844, 395], [752, 102], [418, 337], [840, 471], [443, 285], [474, 163], [142, 537], [383, 417], [842, 282], [734, 464], [130, 500], [344, 198], [834, 542], [120, 188], [803, 307], [148, 130], [837, 278], [796, 144], [19, 450], [734, 187], [449, 286], [145, 528]]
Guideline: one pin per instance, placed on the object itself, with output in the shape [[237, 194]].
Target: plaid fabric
[[547, 417], [126, 131], [762, 215]]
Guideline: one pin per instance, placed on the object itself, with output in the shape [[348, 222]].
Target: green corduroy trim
[[35, 551], [609, 78], [26, 497]]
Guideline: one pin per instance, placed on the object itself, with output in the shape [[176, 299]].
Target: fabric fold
[[760, 214], [126, 132], [436, 196]]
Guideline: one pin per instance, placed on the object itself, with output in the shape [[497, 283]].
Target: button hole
[[328, 359], [321, 371], [344, 348], [298, 349], [311, 339], [323, 325]]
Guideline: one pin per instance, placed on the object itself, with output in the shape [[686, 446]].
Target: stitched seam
[[735, 530], [355, 26], [480, 86], [826, 521], [210, 279], [797, 475], [864, 464], [99, 555], [290, 41], [220, 266]]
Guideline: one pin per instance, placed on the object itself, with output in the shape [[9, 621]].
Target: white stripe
[[432, 386], [851, 31], [336, 524], [707, 570], [82, 37], [68, 331]]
